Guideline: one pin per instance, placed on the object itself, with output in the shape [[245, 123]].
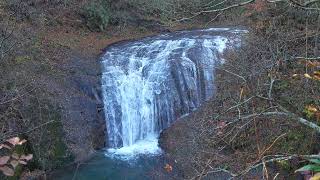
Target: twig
[[289, 114], [75, 173], [235, 106], [281, 158], [30, 130], [268, 148], [17, 97], [308, 58], [237, 75]]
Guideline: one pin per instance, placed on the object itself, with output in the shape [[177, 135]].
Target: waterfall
[[148, 84]]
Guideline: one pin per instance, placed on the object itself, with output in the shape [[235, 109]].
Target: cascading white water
[[148, 84]]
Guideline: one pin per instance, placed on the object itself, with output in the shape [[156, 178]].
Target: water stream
[[147, 84]]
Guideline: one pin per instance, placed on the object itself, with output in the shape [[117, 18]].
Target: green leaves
[[316, 161], [97, 15], [309, 167]]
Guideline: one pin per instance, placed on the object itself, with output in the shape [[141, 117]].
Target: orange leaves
[[311, 108], [22, 162], [315, 177], [312, 111], [168, 168], [12, 142], [15, 160], [10, 162], [16, 141], [257, 6], [307, 76], [241, 93], [312, 64], [4, 160], [27, 158], [4, 146], [221, 126], [314, 76], [7, 171]]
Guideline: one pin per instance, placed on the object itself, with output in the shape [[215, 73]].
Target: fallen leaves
[[315, 65], [316, 177], [312, 111], [168, 168], [312, 64], [307, 76], [314, 76], [312, 108], [221, 126]]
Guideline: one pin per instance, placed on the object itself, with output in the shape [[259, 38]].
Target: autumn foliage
[[10, 161]]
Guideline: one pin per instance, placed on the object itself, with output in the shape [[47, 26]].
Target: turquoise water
[[102, 167]]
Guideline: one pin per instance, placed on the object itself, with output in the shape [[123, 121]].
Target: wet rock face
[[148, 84], [83, 120]]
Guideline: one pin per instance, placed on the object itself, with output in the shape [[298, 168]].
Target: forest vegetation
[[264, 118]]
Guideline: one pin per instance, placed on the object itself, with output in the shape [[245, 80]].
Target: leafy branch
[[12, 160]]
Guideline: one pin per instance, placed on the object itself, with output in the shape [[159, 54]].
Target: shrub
[[97, 15]]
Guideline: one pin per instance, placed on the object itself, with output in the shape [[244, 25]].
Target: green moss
[[97, 15], [22, 59], [10, 85], [281, 85], [284, 165], [47, 143], [298, 141], [142, 29], [35, 47], [58, 154]]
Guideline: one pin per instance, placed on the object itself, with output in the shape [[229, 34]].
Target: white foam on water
[[240, 31], [215, 29], [148, 146], [221, 43]]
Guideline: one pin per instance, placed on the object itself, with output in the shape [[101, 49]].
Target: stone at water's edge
[[148, 84]]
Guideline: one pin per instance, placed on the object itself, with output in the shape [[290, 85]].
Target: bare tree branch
[[304, 6], [308, 58]]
